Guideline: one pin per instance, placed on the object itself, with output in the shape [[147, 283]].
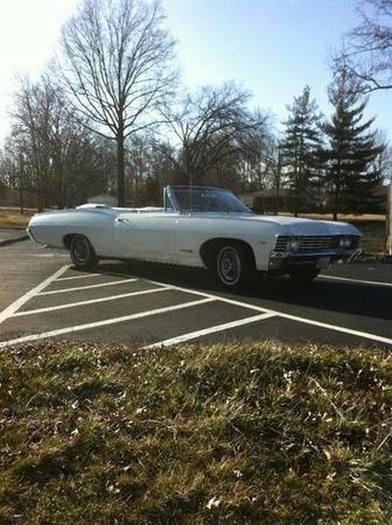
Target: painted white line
[[44, 255], [84, 276], [336, 328], [106, 322], [205, 294], [75, 288], [234, 302], [360, 281], [91, 301], [210, 330], [12, 308]]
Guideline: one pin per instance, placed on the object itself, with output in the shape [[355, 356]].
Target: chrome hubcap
[[229, 266], [81, 251]]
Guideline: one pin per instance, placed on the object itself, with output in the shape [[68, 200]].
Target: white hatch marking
[[336, 328], [75, 288], [84, 276], [12, 308], [205, 294], [348, 279], [211, 330], [90, 301], [106, 322]]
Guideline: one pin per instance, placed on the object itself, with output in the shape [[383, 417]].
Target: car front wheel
[[82, 253], [234, 267]]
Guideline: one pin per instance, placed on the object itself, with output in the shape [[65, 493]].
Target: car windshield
[[208, 199]]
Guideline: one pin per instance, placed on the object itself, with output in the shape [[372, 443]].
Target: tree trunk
[[336, 203], [40, 207], [21, 199], [337, 192], [277, 195], [120, 170]]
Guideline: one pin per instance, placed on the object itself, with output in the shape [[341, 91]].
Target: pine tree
[[301, 146], [351, 172]]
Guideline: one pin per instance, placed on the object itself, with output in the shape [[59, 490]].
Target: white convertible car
[[202, 227]]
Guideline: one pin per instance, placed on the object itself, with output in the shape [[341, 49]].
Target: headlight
[[293, 244], [345, 243]]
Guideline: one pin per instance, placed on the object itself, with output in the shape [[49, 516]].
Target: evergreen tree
[[301, 147], [352, 172]]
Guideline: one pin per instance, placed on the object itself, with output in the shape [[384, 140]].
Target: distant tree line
[[110, 115]]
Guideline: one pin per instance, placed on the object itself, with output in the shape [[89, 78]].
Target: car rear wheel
[[233, 266], [304, 277], [82, 253]]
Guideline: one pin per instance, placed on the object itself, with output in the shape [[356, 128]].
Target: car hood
[[293, 226], [290, 225]]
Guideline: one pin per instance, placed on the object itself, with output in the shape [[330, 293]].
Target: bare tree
[[368, 54], [149, 168], [258, 155], [211, 126], [50, 153], [13, 168], [30, 132], [117, 67]]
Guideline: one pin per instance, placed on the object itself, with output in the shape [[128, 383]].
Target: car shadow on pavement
[[275, 292]]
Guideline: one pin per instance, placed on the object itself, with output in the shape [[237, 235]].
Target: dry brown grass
[[236, 434], [12, 218]]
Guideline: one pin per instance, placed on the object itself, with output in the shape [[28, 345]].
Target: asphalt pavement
[[42, 297], [11, 235]]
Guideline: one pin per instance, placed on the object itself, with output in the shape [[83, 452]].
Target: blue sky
[[271, 47]]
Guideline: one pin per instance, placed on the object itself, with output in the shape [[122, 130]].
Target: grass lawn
[[247, 433], [12, 218], [374, 233]]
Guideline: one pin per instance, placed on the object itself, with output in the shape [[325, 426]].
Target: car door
[[146, 236]]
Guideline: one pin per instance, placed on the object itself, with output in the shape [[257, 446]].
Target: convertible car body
[[202, 227]]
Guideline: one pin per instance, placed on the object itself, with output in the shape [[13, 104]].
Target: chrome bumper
[[283, 262]]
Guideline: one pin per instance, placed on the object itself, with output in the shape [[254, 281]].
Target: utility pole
[[388, 246]]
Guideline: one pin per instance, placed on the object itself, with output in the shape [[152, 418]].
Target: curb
[[6, 242]]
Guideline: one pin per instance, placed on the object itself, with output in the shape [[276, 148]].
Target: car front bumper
[[286, 262]]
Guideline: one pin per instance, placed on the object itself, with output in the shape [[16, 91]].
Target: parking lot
[[44, 297]]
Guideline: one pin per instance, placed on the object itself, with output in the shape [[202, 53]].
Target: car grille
[[313, 243]]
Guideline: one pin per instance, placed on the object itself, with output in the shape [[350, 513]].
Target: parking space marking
[[45, 255], [106, 322], [90, 301], [12, 308], [79, 276], [336, 328], [350, 280], [75, 288], [204, 297], [211, 330]]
